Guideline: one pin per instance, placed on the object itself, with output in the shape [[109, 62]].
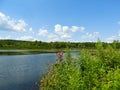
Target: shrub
[[99, 71]]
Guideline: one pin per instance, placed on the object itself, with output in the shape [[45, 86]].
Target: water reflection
[[24, 52]]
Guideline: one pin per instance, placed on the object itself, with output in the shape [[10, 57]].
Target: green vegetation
[[17, 44], [26, 52], [98, 70]]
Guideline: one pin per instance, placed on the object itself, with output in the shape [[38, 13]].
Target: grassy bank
[[99, 70]]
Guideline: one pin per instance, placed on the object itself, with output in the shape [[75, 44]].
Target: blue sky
[[60, 20]]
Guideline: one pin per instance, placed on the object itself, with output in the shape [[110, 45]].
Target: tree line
[[18, 44]]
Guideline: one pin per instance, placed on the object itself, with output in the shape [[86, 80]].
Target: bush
[[98, 71]]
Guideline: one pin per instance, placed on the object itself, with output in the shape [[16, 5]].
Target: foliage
[[88, 71], [17, 44]]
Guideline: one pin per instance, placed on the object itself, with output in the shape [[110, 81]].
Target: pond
[[23, 72]]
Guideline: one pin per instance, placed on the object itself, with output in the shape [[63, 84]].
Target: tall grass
[[89, 71]]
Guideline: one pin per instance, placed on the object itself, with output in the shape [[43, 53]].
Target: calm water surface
[[23, 72]]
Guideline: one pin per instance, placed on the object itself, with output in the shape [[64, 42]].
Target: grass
[[98, 71]]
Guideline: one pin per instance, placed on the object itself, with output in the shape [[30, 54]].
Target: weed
[[88, 72]]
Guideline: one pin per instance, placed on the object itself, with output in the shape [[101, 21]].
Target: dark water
[[23, 72]]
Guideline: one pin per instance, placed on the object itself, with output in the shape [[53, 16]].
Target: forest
[[18, 44]]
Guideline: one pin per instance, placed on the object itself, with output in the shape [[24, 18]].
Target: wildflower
[[59, 55]]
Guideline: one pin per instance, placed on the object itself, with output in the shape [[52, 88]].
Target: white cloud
[[65, 29], [7, 23], [66, 36], [81, 28], [111, 39], [76, 28], [43, 32], [58, 28], [66, 32], [90, 36], [31, 30], [96, 34], [7, 37], [26, 38], [62, 31], [53, 37]]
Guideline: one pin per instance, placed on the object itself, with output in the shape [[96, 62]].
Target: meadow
[[90, 70]]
